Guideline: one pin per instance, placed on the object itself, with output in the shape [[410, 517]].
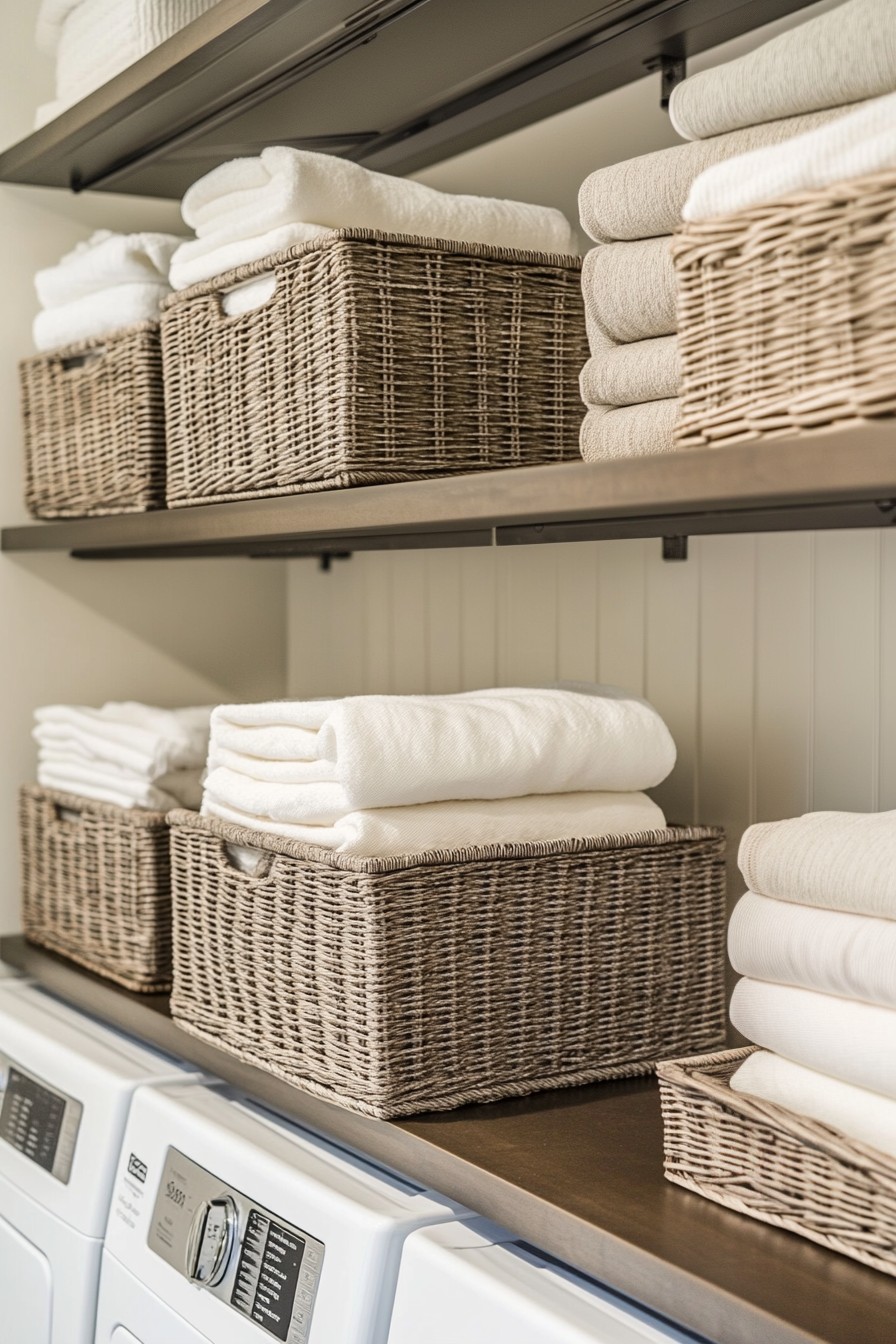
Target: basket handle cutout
[[70, 363], [253, 863], [68, 815], [249, 296]]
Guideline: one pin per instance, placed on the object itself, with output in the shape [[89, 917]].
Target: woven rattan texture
[[376, 359], [787, 315], [396, 986], [97, 888], [775, 1165], [94, 426]]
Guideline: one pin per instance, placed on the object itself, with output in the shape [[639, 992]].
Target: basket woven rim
[[76, 802], [92, 342], [184, 819], [485, 251]]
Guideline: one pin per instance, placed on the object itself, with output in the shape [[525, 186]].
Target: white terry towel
[[106, 259], [388, 751], [612, 432], [835, 860], [855, 1042], [624, 375], [98, 314], [177, 788], [388, 832], [852, 956], [139, 738], [854, 146], [840, 57], [630, 291], [854, 1111], [203, 258]]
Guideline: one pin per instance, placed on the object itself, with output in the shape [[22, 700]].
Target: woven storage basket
[[775, 1165], [94, 425], [96, 885], [377, 358], [393, 986], [787, 314]]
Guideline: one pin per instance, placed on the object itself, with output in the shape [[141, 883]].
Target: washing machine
[[66, 1083], [230, 1224], [471, 1282]]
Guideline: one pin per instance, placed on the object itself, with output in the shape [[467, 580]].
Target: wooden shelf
[[843, 478], [395, 84], [577, 1172]]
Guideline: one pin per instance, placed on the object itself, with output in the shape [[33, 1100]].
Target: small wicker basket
[[377, 358], [393, 986], [96, 885], [787, 315], [94, 426], [777, 1166]]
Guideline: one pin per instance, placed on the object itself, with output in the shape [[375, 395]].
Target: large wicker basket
[[376, 359], [774, 1165], [393, 986], [94, 425], [787, 315], [96, 885]]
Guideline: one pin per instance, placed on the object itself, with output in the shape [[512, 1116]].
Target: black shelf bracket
[[673, 70]]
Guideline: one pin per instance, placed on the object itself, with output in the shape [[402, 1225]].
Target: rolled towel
[[99, 314], [204, 258], [643, 197], [855, 1042], [388, 751], [623, 375], [139, 738], [103, 261], [854, 146], [844, 56], [852, 956], [854, 1111], [834, 860], [388, 832], [629, 291], [611, 432]]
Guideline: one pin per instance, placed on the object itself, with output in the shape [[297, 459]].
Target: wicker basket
[[376, 359], [94, 424], [393, 986], [787, 315], [775, 1165], [96, 885]]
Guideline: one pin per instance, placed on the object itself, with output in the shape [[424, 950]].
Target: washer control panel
[[261, 1266], [37, 1120]]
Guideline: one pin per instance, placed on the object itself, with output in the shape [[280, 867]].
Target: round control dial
[[211, 1241]]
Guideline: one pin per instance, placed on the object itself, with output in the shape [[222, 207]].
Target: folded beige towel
[[840, 57], [623, 375], [610, 432], [629, 291], [643, 197]]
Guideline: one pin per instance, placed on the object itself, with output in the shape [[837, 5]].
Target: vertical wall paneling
[[578, 597], [407, 622], [621, 580], [479, 618], [527, 615], [377, 577], [443, 624]]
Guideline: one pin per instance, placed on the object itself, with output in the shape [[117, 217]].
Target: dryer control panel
[[261, 1266], [37, 1120]]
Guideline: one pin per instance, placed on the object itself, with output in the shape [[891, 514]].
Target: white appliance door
[[26, 1289]]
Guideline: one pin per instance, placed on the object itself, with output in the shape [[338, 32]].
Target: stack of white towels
[[790, 87], [382, 776], [108, 283], [129, 754], [815, 939]]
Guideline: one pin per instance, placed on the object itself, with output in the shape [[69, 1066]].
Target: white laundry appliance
[[471, 1282], [66, 1083], [230, 1224]]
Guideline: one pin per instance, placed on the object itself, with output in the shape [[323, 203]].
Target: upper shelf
[[395, 84], [835, 478]]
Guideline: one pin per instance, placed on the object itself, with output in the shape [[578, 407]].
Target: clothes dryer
[[66, 1083], [231, 1224]]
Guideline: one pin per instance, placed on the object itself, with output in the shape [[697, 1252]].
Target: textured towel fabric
[[855, 146], [179, 788], [204, 258], [854, 1111], [611, 432], [629, 291], [855, 1042], [852, 956], [834, 860], [98, 314], [844, 56], [106, 259], [138, 738], [390, 831], [643, 197], [622, 375]]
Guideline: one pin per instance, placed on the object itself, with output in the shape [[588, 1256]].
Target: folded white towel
[[204, 258], [138, 738], [177, 788], [98, 314], [630, 291], [388, 832], [835, 860], [853, 146], [106, 259], [852, 956], [612, 432], [855, 1042], [388, 751], [839, 57], [625, 375], [854, 1111]]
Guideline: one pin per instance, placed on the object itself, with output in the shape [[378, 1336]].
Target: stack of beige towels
[[810, 75]]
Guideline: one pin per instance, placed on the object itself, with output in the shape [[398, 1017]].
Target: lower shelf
[[576, 1172]]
